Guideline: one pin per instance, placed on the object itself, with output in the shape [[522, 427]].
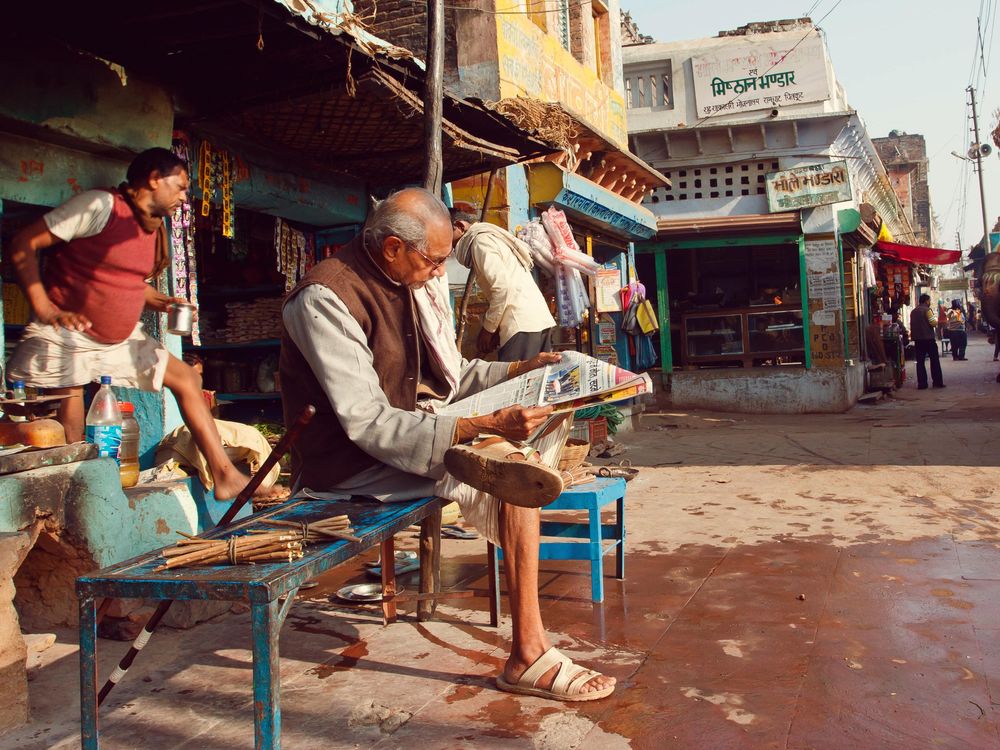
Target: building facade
[[905, 158], [554, 68], [762, 246]]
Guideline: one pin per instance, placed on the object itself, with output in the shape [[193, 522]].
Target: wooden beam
[[434, 96]]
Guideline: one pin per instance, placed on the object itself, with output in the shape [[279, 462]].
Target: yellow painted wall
[[469, 193], [533, 63]]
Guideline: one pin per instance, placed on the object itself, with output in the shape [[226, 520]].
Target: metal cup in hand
[[180, 318]]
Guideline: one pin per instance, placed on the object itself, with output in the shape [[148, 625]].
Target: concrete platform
[[810, 581], [768, 390]]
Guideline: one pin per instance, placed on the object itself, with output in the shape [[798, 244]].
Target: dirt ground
[[809, 581]]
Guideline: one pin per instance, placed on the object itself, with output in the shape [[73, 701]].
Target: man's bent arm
[[24, 255], [337, 351]]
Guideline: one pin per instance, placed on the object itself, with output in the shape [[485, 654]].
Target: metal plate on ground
[[362, 592]]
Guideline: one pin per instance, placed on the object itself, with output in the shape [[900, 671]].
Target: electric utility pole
[[979, 167]]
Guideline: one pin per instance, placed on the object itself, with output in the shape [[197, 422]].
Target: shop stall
[[730, 292], [604, 226], [235, 263]]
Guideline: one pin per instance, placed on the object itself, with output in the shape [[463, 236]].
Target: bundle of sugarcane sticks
[[283, 544]]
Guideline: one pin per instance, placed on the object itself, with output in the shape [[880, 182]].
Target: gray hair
[[405, 214]]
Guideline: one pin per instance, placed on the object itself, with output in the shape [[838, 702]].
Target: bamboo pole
[[433, 96]]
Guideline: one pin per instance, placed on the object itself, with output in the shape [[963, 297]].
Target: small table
[[263, 586], [590, 497]]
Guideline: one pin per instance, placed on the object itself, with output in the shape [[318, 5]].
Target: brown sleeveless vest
[[324, 456]]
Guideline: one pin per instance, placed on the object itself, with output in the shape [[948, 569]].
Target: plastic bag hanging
[[564, 302], [534, 236], [566, 251]]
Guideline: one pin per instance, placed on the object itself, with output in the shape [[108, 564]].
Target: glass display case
[[714, 335], [753, 336], [775, 331]]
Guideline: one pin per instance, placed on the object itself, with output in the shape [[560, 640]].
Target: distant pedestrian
[[922, 325], [955, 331]]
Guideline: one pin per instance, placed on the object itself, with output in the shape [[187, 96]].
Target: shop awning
[[299, 81], [589, 203], [915, 254], [784, 222]]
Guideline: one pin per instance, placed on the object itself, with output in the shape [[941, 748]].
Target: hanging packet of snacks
[[294, 251], [216, 167], [182, 249], [538, 242], [571, 293]]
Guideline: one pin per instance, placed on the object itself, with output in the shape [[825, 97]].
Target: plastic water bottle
[[104, 421], [18, 394], [128, 453]]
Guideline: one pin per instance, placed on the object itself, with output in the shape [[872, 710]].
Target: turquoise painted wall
[[264, 185], [518, 196], [113, 524], [75, 96], [45, 174]]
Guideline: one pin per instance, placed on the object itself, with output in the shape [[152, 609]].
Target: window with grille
[[562, 24], [719, 181], [650, 88]]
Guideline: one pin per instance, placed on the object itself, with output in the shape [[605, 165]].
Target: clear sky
[[905, 65]]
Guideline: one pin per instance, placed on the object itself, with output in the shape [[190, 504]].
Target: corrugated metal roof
[[337, 17]]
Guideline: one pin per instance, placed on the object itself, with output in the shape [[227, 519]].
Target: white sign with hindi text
[[760, 75]]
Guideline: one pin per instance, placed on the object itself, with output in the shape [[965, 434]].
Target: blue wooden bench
[[269, 589], [591, 497]]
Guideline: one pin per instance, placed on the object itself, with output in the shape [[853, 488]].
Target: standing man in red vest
[[105, 245]]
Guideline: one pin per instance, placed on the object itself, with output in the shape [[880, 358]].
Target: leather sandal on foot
[[569, 680], [522, 482]]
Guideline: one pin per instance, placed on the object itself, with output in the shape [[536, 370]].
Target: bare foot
[[515, 667], [230, 483]]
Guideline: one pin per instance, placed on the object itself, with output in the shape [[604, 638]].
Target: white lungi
[[50, 357]]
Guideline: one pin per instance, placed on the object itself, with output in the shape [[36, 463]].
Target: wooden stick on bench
[[241, 499]]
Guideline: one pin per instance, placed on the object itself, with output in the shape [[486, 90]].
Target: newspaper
[[575, 382]]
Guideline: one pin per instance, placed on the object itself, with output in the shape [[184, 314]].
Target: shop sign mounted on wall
[[766, 75], [806, 187]]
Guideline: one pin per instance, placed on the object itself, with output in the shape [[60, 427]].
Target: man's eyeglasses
[[435, 264]]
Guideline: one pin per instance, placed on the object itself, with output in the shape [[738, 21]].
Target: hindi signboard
[[824, 288], [762, 75], [807, 187], [953, 285]]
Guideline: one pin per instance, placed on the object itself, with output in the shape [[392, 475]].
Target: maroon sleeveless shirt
[[104, 277]]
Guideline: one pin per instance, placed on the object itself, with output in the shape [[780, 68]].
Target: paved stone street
[[791, 581]]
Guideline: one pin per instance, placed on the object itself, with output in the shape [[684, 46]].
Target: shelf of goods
[[746, 336]]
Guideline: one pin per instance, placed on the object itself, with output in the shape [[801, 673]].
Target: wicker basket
[[574, 453]]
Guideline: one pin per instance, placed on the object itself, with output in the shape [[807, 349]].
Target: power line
[[990, 29]]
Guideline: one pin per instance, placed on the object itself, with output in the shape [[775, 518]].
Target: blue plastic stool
[[590, 497]]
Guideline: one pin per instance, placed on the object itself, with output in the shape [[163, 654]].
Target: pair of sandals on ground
[[512, 473]]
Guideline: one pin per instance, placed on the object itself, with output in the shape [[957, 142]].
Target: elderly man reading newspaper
[[369, 339]]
